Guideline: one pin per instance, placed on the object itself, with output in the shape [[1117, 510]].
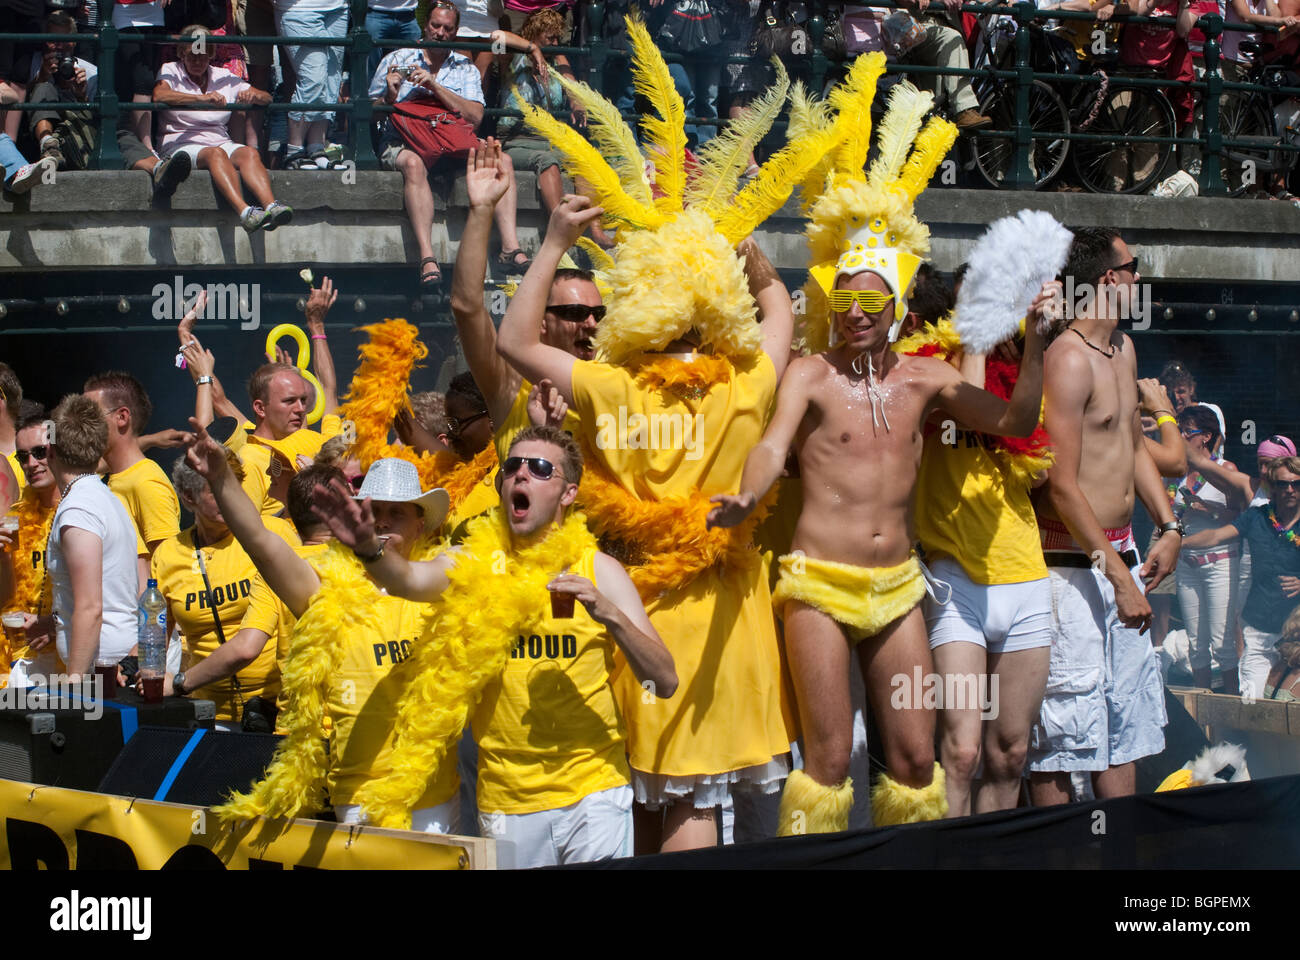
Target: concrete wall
[[107, 220]]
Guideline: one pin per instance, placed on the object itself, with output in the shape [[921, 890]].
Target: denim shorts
[[1104, 704], [319, 69]]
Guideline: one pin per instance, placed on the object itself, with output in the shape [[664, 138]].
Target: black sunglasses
[[454, 426], [577, 312], [1286, 484], [1131, 266], [36, 453], [540, 468], [356, 482]]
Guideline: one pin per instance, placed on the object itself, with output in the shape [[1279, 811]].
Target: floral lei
[[1289, 535]]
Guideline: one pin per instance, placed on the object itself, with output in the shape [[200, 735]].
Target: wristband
[[1161, 421], [202, 380], [369, 558], [318, 336]]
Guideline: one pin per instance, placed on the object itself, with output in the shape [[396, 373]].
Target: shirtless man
[[1104, 677], [861, 407]]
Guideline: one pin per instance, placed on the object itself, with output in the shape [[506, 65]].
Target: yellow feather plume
[[854, 98], [767, 192], [666, 133], [931, 147], [600, 258], [808, 114], [613, 136], [722, 159], [584, 160], [907, 105]]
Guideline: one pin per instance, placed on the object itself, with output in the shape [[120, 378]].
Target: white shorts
[[1002, 617], [444, 818], [597, 827], [195, 149], [1105, 699]]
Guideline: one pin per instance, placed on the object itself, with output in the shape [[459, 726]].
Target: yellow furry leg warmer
[[809, 807], [893, 802]]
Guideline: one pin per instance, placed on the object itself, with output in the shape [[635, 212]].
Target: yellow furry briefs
[[863, 600]]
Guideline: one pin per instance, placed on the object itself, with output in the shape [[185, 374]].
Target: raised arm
[[776, 313], [486, 183], [1232, 483], [1150, 489], [322, 361], [614, 603], [520, 338], [765, 462], [981, 410], [290, 576], [353, 523]]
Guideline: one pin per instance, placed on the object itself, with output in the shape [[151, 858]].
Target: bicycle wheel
[[1048, 120], [1243, 117], [1114, 166]]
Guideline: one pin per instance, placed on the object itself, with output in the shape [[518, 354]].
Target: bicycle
[[1109, 165]]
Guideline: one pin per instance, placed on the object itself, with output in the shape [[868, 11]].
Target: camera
[[66, 69]]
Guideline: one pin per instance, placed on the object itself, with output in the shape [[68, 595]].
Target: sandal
[[432, 278], [510, 258]]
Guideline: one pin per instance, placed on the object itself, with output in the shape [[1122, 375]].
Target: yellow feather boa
[[691, 378], [664, 543], [494, 593], [345, 605], [379, 392], [33, 534]]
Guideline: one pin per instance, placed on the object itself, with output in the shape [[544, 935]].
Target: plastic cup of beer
[[106, 670], [561, 605], [9, 525], [15, 633], [151, 686]]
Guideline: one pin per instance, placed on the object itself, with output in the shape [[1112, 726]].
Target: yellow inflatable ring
[[295, 333]]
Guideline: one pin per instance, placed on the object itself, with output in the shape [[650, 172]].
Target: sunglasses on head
[[540, 468], [456, 427], [1131, 266], [36, 453], [871, 301], [576, 312]]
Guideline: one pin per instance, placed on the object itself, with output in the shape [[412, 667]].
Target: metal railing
[[594, 58]]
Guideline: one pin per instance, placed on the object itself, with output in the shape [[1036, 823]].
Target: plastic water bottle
[[151, 634]]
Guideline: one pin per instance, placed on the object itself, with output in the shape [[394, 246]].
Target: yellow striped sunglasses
[[871, 301]]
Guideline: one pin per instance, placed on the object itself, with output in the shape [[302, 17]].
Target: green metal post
[[107, 156], [360, 147], [1211, 165], [1022, 177]]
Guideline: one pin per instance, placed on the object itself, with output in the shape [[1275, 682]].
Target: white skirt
[[654, 790]]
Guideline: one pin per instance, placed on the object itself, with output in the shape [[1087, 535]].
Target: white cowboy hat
[[397, 481]]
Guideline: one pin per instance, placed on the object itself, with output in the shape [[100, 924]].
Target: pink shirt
[[204, 128]]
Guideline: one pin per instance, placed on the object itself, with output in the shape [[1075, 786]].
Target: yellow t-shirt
[[362, 707], [731, 709], [232, 575], [517, 419], [548, 729], [149, 498], [18, 475], [263, 595], [970, 509], [256, 455]]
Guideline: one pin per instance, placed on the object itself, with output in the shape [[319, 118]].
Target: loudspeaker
[[200, 767], [64, 740]]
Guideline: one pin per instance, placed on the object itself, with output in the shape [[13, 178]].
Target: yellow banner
[[55, 829]]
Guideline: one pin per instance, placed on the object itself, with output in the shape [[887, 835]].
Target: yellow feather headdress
[[675, 267], [862, 219]]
